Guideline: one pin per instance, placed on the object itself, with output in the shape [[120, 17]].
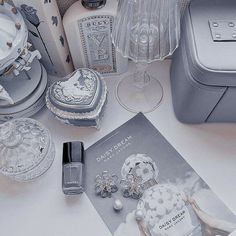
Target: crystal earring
[[106, 184], [132, 187]]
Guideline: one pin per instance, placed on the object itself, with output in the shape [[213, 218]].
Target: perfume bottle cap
[[93, 4], [73, 152]]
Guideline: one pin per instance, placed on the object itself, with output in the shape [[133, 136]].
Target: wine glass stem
[[141, 76]]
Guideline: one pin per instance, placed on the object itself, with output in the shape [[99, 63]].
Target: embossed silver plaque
[[97, 44]]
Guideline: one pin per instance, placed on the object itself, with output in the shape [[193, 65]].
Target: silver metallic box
[[79, 99]]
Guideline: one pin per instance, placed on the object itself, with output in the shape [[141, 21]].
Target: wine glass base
[[139, 96]]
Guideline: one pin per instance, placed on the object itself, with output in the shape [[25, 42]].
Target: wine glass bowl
[[143, 40], [145, 31]]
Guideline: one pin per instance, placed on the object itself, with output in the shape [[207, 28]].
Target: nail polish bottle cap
[[73, 152], [93, 4]]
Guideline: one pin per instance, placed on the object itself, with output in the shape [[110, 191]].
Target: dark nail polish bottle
[[73, 168]]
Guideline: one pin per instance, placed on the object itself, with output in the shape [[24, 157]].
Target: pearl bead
[[118, 206], [139, 215]]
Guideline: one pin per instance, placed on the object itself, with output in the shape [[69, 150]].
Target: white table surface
[[40, 208]]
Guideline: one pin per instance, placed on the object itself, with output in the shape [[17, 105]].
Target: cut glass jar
[[26, 149]]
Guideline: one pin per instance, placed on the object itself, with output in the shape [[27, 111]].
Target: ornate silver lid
[[80, 96], [78, 92]]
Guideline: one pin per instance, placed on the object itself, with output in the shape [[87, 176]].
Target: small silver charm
[[132, 187], [106, 184], [117, 205]]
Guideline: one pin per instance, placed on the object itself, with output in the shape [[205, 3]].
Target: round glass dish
[[26, 149]]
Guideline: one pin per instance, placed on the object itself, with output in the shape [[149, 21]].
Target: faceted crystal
[[26, 149]]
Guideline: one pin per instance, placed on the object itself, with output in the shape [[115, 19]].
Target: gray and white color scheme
[[139, 140], [23, 80], [63, 5], [46, 33], [89, 36], [79, 99], [203, 73]]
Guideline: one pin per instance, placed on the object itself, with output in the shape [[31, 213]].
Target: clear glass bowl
[[26, 149]]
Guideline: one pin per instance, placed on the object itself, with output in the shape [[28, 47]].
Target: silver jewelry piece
[[106, 184], [117, 205], [132, 187]]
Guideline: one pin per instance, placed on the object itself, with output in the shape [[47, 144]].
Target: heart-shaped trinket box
[[79, 98]]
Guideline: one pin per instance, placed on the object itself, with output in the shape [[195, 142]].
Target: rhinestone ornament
[[106, 184], [132, 187]]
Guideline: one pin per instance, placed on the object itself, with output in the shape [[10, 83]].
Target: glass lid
[[24, 143]]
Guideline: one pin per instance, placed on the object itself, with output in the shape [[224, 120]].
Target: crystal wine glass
[[145, 31]]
